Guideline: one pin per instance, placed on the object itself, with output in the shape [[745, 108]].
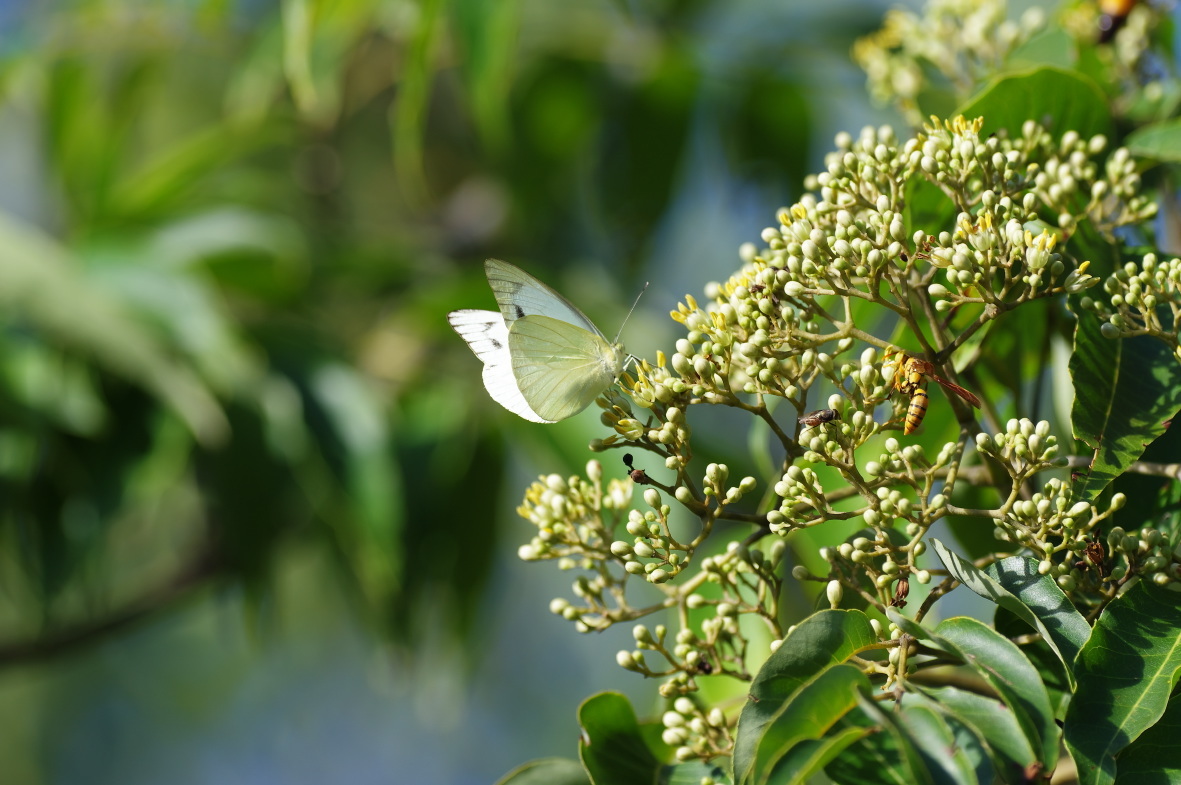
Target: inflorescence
[[788, 327]]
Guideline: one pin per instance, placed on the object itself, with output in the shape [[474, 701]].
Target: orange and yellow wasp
[[910, 379]]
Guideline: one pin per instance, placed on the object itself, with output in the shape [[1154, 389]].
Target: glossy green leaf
[[822, 640], [810, 756], [808, 714], [612, 748], [999, 662], [1063, 100], [1012, 674], [1125, 392], [1044, 658], [1159, 142], [992, 720], [1125, 675], [946, 758], [886, 756], [1015, 584], [547, 771], [1155, 757]]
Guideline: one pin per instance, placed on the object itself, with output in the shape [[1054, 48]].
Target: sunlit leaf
[[992, 720], [1154, 758], [887, 755], [1126, 673], [807, 715], [999, 662], [1062, 100], [1126, 390], [950, 757], [1159, 142], [822, 640], [810, 756], [1015, 584]]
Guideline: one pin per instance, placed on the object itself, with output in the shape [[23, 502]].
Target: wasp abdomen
[[916, 410]]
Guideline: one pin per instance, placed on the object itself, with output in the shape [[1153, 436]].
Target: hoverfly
[[910, 379], [818, 417]]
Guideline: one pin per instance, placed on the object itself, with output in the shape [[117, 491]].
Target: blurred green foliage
[[229, 237]]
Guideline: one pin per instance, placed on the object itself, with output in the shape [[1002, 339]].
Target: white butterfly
[[543, 359]]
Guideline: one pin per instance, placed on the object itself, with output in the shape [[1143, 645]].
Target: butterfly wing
[[488, 337], [519, 294], [560, 368]]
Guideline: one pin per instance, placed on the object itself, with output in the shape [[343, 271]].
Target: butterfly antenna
[[629, 313]]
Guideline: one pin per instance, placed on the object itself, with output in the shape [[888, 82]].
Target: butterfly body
[[544, 360]]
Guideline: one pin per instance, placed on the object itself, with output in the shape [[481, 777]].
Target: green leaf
[[1015, 584], [817, 706], [691, 773], [1155, 757], [1160, 141], [547, 771], [886, 756], [991, 719], [157, 182], [612, 748], [1044, 658], [1064, 100], [1125, 675], [41, 283], [807, 758], [946, 757], [927, 207], [822, 640], [317, 36], [487, 34], [999, 662], [409, 112], [1125, 392]]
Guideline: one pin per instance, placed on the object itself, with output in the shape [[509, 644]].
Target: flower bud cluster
[[717, 645], [695, 733], [1051, 525], [1142, 299], [875, 560], [653, 553], [1148, 553], [910, 464], [566, 512], [803, 502], [784, 324], [1067, 538], [962, 40], [1024, 447]]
